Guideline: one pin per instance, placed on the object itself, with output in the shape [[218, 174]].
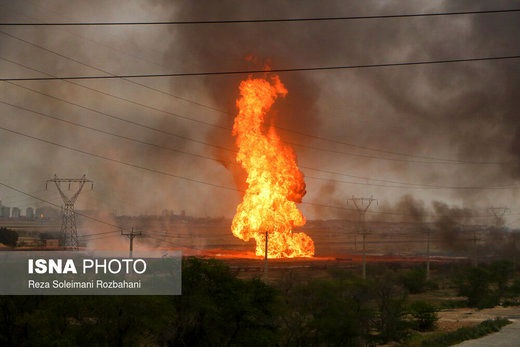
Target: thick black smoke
[[452, 226], [463, 111]]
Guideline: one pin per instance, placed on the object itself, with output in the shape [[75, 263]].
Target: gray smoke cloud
[[458, 111], [465, 111], [451, 225]]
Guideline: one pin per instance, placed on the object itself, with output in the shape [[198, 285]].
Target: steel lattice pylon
[[69, 231], [362, 205]]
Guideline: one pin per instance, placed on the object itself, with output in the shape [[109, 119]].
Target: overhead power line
[[103, 233], [265, 20], [53, 204], [143, 167], [27, 200], [168, 113], [457, 161], [437, 160], [178, 176], [242, 72], [9, 197], [433, 186], [97, 238], [212, 108], [402, 185], [119, 161]]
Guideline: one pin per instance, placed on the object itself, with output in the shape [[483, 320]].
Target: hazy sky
[[464, 111]]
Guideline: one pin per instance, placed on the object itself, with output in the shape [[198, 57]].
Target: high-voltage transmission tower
[[476, 230], [362, 205], [69, 231], [498, 213], [475, 239]]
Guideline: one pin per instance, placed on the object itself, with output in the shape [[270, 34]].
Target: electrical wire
[[215, 109], [103, 233], [55, 205], [176, 115], [263, 20], [401, 186], [179, 176], [251, 72], [119, 161], [212, 108]]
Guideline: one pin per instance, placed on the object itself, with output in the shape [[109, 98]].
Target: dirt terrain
[[451, 319]]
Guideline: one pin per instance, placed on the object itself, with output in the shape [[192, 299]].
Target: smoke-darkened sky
[[464, 111]]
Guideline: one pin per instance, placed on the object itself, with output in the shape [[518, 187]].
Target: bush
[[466, 333], [450, 304], [8, 237], [391, 322], [486, 286], [217, 308], [500, 274], [514, 290], [415, 281], [332, 312], [424, 314], [510, 302], [475, 285]]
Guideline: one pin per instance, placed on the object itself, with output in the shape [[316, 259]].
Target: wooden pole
[[265, 257]]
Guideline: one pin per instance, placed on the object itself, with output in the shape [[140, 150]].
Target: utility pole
[[428, 232], [498, 213], [131, 235], [69, 231], [514, 239], [362, 205], [265, 256]]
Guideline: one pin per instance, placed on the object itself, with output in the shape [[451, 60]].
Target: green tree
[[216, 308], [83, 320], [501, 273], [332, 312], [475, 284], [391, 322], [424, 314], [416, 282]]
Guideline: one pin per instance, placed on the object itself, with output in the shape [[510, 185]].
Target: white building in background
[[5, 212], [15, 213], [29, 212]]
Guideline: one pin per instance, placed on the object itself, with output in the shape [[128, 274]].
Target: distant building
[[47, 212], [167, 213], [15, 213], [39, 212], [29, 212], [5, 212]]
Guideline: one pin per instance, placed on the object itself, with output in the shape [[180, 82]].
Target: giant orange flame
[[274, 182]]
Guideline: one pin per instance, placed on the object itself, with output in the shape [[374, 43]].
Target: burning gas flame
[[274, 182]]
